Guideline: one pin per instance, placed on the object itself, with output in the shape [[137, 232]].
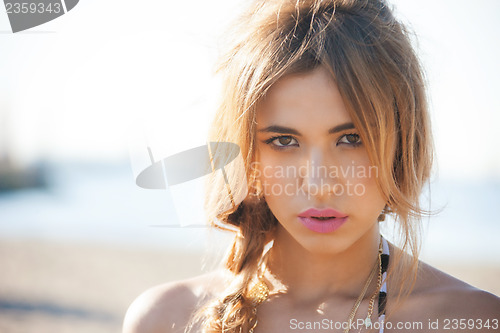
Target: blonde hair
[[369, 55]]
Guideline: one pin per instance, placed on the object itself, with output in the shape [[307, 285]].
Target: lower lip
[[323, 226]]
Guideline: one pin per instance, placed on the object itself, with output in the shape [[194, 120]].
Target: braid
[[234, 311]]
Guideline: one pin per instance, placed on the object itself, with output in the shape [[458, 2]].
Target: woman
[[327, 102]]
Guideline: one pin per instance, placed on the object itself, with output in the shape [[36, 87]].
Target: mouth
[[322, 214], [323, 225], [322, 220]]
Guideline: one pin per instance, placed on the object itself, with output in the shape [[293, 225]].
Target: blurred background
[[83, 96]]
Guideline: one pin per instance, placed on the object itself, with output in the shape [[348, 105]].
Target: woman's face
[[315, 172]]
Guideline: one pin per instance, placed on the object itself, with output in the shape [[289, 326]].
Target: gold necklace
[[368, 321], [376, 268], [259, 293], [360, 299]]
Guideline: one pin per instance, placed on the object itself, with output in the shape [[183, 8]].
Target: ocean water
[[101, 203]]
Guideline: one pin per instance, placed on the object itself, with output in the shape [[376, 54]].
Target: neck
[[309, 277]]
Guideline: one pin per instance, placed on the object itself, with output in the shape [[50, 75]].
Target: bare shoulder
[[455, 297], [168, 307], [439, 297]]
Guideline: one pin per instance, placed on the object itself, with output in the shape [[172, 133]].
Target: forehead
[[298, 100]]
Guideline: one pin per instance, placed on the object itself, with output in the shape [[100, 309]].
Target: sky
[[108, 79]]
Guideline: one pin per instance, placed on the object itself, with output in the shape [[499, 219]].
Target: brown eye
[[284, 140], [350, 139]]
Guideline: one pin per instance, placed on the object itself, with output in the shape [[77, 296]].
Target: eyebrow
[[289, 130]]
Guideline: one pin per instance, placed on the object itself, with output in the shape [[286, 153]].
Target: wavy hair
[[370, 57]]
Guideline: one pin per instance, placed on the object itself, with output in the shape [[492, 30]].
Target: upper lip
[[325, 212]]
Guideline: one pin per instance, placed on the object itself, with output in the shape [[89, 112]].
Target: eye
[[351, 139], [282, 141]]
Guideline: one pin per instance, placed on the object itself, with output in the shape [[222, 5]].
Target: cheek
[[363, 180], [277, 178], [278, 189]]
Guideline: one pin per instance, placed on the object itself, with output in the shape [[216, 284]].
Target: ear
[[382, 215]]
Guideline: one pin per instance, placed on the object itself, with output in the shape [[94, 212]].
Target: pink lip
[[336, 220], [327, 212]]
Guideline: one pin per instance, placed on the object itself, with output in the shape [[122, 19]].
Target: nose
[[319, 177]]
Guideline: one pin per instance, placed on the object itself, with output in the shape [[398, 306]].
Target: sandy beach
[[63, 287], [83, 287]]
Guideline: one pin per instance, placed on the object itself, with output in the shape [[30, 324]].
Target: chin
[[325, 244], [314, 243], [324, 249]]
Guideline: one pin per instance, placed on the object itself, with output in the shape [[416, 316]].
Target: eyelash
[[274, 146]]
